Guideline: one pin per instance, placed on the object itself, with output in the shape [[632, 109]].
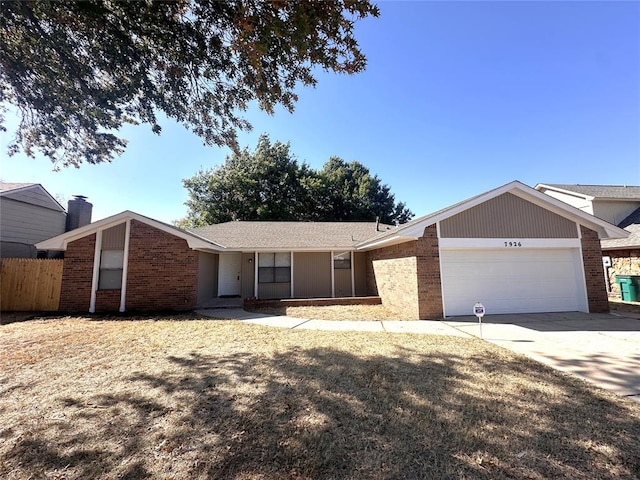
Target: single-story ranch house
[[513, 248]]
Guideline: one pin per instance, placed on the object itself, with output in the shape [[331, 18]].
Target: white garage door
[[512, 281]]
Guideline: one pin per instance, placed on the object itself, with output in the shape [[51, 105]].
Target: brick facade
[[429, 282], [163, 274], [108, 300], [407, 277], [77, 274], [593, 273], [163, 271]]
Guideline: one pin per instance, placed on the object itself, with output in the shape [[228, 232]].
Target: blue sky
[[458, 98]]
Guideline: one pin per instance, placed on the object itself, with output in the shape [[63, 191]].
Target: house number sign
[[513, 243]]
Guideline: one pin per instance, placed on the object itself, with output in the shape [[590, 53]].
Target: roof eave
[[61, 241]]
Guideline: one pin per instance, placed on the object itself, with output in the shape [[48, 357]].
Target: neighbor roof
[[290, 235], [9, 187], [13, 191], [619, 192], [632, 225]]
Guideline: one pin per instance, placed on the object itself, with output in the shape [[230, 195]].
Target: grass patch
[[333, 312], [185, 397]]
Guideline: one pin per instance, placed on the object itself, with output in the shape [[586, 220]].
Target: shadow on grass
[[326, 413]]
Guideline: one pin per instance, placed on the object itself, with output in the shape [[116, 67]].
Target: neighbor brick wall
[[407, 277], [623, 262], [77, 274], [593, 272], [163, 271]]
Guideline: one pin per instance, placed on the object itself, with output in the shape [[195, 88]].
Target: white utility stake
[[478, 311]]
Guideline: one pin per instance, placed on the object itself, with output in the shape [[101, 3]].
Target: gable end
[[507, 216]]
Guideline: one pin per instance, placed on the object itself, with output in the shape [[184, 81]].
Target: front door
[[229, 276]]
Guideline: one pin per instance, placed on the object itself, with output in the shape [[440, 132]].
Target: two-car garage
[[512, 280], [513, 248]]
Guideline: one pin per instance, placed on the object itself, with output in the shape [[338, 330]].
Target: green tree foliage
[[270, 184], [77, 71]]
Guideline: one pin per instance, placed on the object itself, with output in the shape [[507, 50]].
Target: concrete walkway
[[601, 348], [431, 327]]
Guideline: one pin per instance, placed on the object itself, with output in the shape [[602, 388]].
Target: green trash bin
[[628, 287]]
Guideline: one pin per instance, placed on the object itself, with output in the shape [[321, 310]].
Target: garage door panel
[[510, 281]]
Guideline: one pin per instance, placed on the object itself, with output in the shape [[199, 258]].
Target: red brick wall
[[107, 300], [77, 274], [163, 271], [429, 283], [392, 272], [407, 277], [593, 272]]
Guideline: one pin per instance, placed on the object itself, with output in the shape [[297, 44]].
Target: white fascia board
[[60, 242], [385, 242], [507, 243], [562, 190], [350, 248]]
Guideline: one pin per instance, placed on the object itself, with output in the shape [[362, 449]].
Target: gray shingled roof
[[630, 224], [7, 186], [290, 235], [626, 192]]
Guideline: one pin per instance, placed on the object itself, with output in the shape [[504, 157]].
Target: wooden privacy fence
[[30, 284]]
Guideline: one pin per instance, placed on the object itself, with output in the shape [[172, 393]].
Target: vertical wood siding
[[248, 274], [360, 273], [30, 285], [274, 290], [312, 274], [113, 238], [507, 216], [207, 276]]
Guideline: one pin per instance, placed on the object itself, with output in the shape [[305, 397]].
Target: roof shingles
[[290, 235], [622, 192]]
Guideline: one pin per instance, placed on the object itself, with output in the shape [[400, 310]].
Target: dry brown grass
[[334, 312], [187, 398]]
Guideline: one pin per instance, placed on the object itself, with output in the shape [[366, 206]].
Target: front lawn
[[187, 398]]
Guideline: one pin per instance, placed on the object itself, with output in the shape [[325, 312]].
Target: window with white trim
[[342, 261], [111, 266], [274, 267]]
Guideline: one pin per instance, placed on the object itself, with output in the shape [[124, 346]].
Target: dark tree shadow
[[324, 413]]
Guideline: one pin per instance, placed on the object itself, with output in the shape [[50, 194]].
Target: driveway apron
[[600, 348]]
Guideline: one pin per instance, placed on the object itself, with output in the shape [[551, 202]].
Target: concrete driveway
[[601, 348]]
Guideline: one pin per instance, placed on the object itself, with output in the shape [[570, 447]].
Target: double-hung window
[[274, 267], [111, 266]]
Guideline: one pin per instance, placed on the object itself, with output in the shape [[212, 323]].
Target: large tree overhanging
[[77, 71]]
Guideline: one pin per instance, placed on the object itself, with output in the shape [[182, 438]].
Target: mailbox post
[[478, 311]]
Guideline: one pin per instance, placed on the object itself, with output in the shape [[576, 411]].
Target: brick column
[[428, 270], [593, 271]]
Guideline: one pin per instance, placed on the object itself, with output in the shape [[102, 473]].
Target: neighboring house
[[513, 248], [619, 205], [28, 215]]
